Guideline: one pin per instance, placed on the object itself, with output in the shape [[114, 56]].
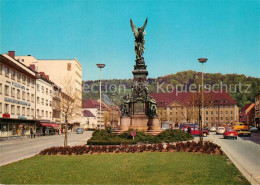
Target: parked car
[[220, 130], [253, 129], [230, 133], [212, 129], [79, 131], [196, 132], [183, 125]]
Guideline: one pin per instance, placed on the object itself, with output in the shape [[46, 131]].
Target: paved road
[[243, 152], [14, 150]]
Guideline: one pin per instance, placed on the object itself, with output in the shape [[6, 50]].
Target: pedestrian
[[31, 132], [34, 133]]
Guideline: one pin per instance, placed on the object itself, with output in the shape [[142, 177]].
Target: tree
[[70, 103]]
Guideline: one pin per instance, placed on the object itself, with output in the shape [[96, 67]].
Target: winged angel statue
[[139, 39]]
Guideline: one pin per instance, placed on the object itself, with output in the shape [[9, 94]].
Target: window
[[6, 69], [46, 102], [7, 90], [18, 94], [42, 89], [13, 92], [50, 92], [42, 101], [0, 88], [226, 112], [0, 107], [46, 114], [231, 118], [18, 77], [18, 110], [231, 112], [207, 112], [13, 74], [32, 112], [12, 109], [28, 81], [221, 118], [211, 118], [50, 114], [28, 111], [38, 112], [28, 96], [42, 113], [6, 108], [38, 87], [32, 83], [32, 97], [211, 112], [23, 95], [226, 118], [47, 91], [38, 100], [216, 112], [24, 79], [221, 112], [69, 66], [206, 118], [50, 103], [23, 111]]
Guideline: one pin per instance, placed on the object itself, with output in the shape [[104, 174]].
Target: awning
[[50, 125]]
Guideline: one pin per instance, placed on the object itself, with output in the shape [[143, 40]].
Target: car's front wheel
[[204, 134]]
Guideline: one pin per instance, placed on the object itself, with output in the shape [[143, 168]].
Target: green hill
[[242, 88]]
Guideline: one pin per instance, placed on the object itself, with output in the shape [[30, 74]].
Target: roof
[[246, 107], [216, 98], [90, 103], [87, 113]]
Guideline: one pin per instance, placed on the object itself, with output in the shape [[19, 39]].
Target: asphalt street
[[243, 152], [14, 150]]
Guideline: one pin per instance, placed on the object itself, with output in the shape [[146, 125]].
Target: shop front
[[46, 129], [16, 127]]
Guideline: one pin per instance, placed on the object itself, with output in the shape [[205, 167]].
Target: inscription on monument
[[139, 107]]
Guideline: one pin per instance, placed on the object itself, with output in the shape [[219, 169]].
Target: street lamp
[[100, 66], [202, 61]]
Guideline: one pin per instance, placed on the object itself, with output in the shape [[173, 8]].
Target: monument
[[139, 108]]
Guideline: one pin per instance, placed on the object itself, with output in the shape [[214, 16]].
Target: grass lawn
[[127, 168]]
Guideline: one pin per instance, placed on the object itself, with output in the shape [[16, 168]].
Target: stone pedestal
[[154, 124], [139, 122], [125, 123]]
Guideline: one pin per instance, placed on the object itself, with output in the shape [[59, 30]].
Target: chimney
[[42, 73], [47, 77], [32, 66], [11, 54]]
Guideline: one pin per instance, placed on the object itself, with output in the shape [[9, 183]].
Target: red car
[[230, 133], [195, 131]]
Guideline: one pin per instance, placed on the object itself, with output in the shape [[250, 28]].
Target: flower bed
[[207, 148]]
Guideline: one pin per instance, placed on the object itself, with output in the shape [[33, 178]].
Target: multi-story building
[[257, 110], [44, 98], [247, 114], [88, 120], [61, 72], [94, 107], [17, 97], [175, 108], [56, 103]]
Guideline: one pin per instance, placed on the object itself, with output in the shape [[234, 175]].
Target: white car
[[220, 130], [253, 129], [212, 129]]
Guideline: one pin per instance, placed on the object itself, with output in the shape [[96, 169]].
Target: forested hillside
[[242, 88]]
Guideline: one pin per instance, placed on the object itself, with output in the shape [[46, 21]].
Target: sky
[[178, 32]]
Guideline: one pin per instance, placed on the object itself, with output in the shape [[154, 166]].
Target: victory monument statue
[[139, 109]]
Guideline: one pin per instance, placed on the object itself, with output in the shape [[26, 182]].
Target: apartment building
[[44, 98], [17, 97], [93, 106], [60, 71], [175, 108]]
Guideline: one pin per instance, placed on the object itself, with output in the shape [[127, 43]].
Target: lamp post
[[100, 66], [202, 61]]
